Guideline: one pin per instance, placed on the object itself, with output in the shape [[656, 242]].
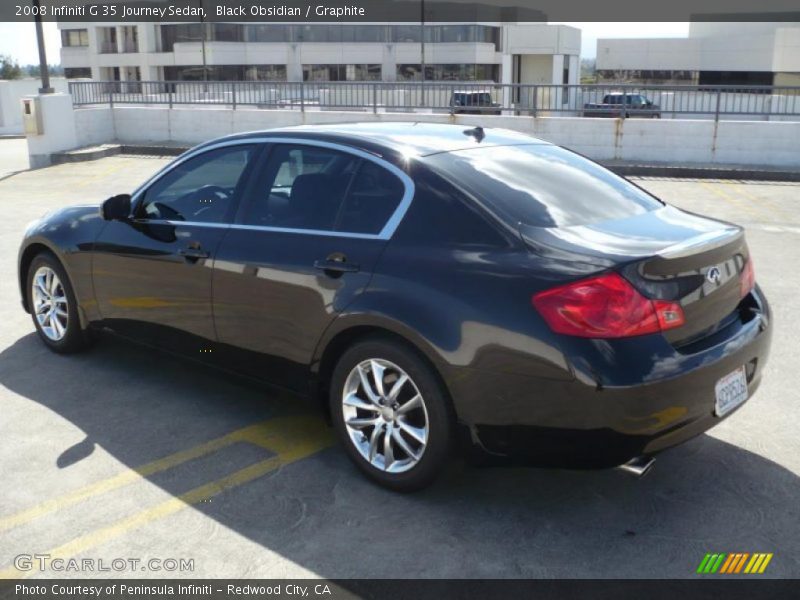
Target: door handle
[[191, 253], [336, 266]]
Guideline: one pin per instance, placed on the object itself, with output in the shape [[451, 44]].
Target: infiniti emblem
[[713, 275]]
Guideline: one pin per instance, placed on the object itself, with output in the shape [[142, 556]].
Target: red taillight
[[747, 280], [606, 306]]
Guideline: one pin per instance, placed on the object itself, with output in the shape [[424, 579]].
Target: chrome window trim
[[207, 225], [323, 232], [238, 226], [386, 233]]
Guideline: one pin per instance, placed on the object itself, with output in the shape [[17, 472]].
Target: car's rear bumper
[[585, 421]]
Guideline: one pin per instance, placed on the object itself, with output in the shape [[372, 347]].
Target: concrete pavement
[[124, 452], [13, 156]]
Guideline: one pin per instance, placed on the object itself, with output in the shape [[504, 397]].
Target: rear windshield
[[542, 185]]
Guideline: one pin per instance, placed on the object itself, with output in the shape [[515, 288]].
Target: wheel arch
[[31, 251], [346, 335]]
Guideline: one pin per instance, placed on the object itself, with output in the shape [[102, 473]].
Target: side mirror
[[116, 208]]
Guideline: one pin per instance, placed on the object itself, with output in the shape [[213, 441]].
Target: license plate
[[731, 391]]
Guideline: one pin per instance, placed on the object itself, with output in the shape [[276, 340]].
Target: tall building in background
[[483, 52], [713, 54]]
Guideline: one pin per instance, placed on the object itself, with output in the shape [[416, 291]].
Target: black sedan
[[434, 287]]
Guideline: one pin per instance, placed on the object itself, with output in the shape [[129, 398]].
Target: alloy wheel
[[50, 303], [385, 415]]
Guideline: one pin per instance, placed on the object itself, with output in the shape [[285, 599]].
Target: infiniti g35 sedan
[[436, 288]]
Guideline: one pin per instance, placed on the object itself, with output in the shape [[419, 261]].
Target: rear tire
[[391, 414], [53, 306]]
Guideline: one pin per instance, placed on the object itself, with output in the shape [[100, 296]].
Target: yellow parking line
[[773, 205], [99, 175], [292, 438], [744, 205], [258, 434]]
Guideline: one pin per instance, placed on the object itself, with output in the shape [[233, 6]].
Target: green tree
[[9, 68], [35, 70]]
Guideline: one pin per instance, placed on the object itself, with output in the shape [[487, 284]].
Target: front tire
[[53, 306], [391, 414]]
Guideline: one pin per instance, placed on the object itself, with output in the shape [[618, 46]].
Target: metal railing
[[619, 101], [109, 47]]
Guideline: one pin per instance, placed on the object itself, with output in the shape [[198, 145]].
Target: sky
[[19, 39]]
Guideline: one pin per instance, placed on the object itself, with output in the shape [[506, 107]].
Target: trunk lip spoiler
[[712, 234], [705, 241]]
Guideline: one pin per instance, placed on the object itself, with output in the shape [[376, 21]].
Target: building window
[[337, 33], [265, 73], [74, 38], [197, 32], [645, 76], [107, 40], [342, 72], [449, 72], [267, 33], [745, 78], [130, 39], [451, 34], [226, 73], [364, 33], [434, 34], [406, 34], [176, 34], [375, 34], [78, 73], [409, 72], [225, 32], [315, 33]]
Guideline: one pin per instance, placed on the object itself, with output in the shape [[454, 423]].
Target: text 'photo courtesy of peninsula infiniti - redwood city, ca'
[[435, 288]]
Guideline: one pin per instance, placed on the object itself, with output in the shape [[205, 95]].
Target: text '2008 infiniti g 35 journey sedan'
[[435, 287]]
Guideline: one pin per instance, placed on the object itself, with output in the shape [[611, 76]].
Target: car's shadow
[[319, 513]]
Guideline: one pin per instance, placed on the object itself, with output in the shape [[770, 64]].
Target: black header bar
[[408, 11]]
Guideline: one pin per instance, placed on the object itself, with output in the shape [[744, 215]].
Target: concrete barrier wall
[[11, 93], [766, 144], [94, 126]]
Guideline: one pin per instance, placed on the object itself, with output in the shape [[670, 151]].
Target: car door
[[312, 225], [152, 272]]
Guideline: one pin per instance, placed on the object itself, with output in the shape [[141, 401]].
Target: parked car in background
[[474, 103], [623, 104], [432, 287]]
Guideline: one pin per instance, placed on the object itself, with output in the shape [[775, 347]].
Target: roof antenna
[[476, 132]]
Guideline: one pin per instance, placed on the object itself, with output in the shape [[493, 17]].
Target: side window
[[302, 187], [202, 189], [320, 189], [442, 215], [373, 198]]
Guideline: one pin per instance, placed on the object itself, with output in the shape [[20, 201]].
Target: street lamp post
[[203, 46], [43, 69], [422, 49]]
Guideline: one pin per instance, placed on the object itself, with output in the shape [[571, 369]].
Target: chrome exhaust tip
[[639, 466]]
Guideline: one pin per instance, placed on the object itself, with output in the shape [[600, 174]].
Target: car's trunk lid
[[666, 254]]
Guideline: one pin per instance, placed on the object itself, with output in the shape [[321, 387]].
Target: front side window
[[202, 189], [320, 189]]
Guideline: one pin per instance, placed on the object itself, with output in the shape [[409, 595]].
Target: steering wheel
[[204, 194], [167, 212]]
